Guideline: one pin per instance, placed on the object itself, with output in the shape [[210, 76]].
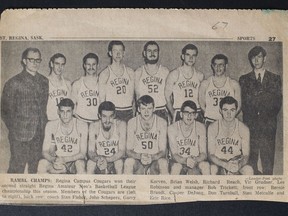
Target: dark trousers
[[163, 113], [124, 115], [262, 141], [25, 152]]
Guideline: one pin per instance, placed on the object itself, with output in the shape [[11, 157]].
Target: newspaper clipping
[[142, 106]]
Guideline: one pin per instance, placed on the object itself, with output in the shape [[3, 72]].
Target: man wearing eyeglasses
[[216, 87], [23, 109], [187, 140]]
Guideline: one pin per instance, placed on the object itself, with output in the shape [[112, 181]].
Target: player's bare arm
[[172, 134], [200, 76], [69, 85], [202, 94], [162, 140], [49, 146], [171, 78], [121, 126], [138, 73], [92, 153], [201, 131], [130, 140], [103, 78], [237, 92], [212, 133], [131, 74], [75, 87], [245, 135], [82, 128]]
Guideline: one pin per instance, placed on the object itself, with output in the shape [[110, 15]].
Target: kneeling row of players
[[140, 147]]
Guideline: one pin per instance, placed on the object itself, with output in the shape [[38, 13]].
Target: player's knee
[[128, 165], [43, 166], [80, 166], [163, 166], [91, 165], [176, 169], [214, 169], [204, 167], [247, 170], [119, 166]]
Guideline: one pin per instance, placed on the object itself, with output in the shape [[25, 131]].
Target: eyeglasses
[[219, 65], [33, 60], [186, 113]]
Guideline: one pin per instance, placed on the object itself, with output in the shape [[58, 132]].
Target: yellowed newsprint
[[143, 106]]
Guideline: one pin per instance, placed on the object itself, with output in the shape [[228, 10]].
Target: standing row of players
[[141, 147], [120, 85]]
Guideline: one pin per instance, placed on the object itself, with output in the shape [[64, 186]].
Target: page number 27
[[271, 38]]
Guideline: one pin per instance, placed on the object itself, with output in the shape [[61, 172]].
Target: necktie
[[259, 78]]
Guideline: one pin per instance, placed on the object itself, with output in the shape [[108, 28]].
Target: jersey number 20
[[121, 89]]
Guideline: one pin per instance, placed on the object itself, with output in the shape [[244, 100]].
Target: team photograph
[[125, 107]]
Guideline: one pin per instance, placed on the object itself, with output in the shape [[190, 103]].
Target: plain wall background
[[170, 52]]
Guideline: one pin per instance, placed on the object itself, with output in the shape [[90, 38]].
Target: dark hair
[[189, 47], [219, 56], [30, 49], [151, 43], [66, 102], [115, 42], [145, 100], [228, 100], [106, 105], [56, 56], [190, 104], [90, 55], [256, 51]]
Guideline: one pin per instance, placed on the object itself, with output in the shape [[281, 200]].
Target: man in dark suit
[[23, 110], [261, 102]]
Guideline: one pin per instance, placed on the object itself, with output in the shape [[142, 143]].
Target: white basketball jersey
[[228, 147], [153, 85], [56, 94], [87, 102], [213, 97], [186, 89], [146, 142], [67, 145], [119, 89], [187, 146], [107, 147]]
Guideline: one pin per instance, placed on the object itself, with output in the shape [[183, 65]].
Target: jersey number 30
[[91, 101]]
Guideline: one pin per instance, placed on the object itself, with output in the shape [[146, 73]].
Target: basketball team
[[147, 122]]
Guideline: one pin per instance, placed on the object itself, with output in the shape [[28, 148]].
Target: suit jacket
[[23, 105], [261, 102]]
